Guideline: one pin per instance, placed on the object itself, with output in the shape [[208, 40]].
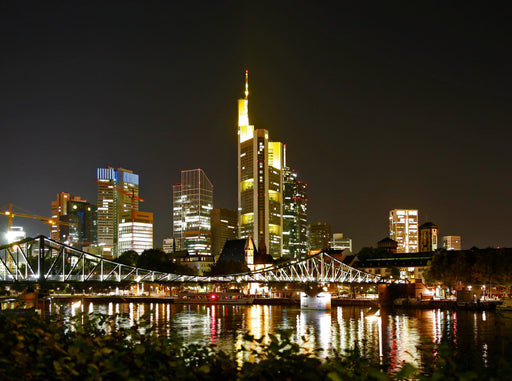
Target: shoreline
[[335, 302]]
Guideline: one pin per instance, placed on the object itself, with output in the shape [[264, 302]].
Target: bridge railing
[[44, 260]]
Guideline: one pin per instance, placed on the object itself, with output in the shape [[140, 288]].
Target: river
[[391, 338]]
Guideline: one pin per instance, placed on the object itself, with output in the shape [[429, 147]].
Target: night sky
[[381, 105]]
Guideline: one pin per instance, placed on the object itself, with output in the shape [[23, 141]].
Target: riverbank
[[335, 302]]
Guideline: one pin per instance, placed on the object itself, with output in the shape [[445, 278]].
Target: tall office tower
[[452, 242], [428, 237], [339, 242], [118, 195], [295, 204], [136, 232], [403, 228], [260, 184], [192, 204], [75, 221], [224, 227], [319, 235]]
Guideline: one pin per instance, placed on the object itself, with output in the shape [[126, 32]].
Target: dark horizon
[[381, 106]]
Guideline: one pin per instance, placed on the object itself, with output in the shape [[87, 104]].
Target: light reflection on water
[[391, 338]]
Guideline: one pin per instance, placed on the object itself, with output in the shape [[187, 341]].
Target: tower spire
[[246, 84]]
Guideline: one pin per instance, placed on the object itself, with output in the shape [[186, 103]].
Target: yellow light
[[247, 184], [7, 213], [274, 196], [247, 218]]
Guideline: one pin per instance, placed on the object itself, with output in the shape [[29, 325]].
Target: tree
[[129, 257], [226, 267], [154, 259]]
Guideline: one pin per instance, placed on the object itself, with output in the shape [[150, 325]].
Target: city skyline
[[383, 107]]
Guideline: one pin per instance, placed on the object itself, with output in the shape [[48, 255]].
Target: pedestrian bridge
[[40, 260]]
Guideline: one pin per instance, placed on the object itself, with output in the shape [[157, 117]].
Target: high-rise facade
[[403, 228], [260, 184], [319, 235], [192, 205], [295, 228], [118, 195], [224, 224], [75, 221], [340, 242], [428, 233], [136, 232], [452, 242]]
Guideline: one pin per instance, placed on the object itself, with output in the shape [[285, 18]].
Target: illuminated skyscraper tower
[[80, 217], [260, 184], [295, 203], [118, 191], [403, 228], [192, 205]]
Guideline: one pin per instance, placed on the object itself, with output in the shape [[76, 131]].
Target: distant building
[[75, 221], [15, 234], [403, 228], [388, 244], [452, 242], [224, 225], [244, 251], [168, 245], [410, 266], [319, 235], [339, 242], [118, 195], [200, 263], [295, 204], [192, 205], [136, 232], [260, 184], [428, 237]]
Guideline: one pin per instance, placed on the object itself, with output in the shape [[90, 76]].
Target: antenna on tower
[[246, 84]]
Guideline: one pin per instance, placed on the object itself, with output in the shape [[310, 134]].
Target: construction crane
[[47, 220], [132, 197]]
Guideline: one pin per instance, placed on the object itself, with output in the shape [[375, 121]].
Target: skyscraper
[[403, 228], [76, 221], [295, 228], [224, 224], [118, 195], [260, 184], [319, 235], [192, 204]]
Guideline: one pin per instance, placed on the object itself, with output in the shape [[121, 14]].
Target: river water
[[391, 338]]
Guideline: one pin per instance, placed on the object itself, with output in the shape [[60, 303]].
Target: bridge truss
[[40, 260]]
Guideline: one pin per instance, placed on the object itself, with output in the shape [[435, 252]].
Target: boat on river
[[214, 298]]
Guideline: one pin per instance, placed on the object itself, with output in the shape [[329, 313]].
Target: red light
[[213, 296]]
